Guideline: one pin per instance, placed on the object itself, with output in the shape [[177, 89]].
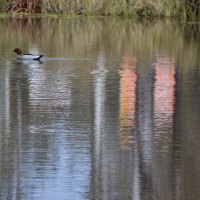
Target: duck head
[[18, 51]]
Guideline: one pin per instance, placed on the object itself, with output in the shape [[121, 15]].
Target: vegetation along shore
[[179, 9]]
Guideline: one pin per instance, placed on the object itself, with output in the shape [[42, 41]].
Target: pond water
[[110, 113]]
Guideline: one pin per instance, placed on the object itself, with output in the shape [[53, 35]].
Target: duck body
[[29, 57], [21, 56]]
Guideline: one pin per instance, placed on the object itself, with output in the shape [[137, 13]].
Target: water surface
[[110, 113]]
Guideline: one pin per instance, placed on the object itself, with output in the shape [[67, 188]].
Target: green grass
[[179, 9]]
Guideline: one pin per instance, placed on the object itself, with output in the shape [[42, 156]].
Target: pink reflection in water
[[164, 94], [127, 100]]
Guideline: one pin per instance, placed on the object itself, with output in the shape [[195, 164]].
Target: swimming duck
[[21, 56]]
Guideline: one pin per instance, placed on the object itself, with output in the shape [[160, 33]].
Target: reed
[[181, 9]]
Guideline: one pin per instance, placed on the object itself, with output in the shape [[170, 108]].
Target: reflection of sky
[[54, 159], [59, 172], [99, 101], [49, 88], [100, 75], [6, 101], [51, 161]]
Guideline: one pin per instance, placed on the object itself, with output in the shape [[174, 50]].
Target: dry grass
[[181, 9]]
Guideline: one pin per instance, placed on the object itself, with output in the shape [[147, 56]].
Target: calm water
[[111, 112]]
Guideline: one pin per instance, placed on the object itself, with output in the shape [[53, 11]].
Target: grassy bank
[[179, 9]]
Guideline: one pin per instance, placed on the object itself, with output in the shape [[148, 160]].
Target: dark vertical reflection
[[186, 146], [176, 145], [145, 82]]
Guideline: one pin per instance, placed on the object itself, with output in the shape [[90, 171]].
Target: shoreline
[[136, 9], [70, 16]]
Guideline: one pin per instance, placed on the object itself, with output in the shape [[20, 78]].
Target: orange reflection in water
[[164, 98], [127, 101]]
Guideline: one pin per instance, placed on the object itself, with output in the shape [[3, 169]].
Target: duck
[[28, 56]]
